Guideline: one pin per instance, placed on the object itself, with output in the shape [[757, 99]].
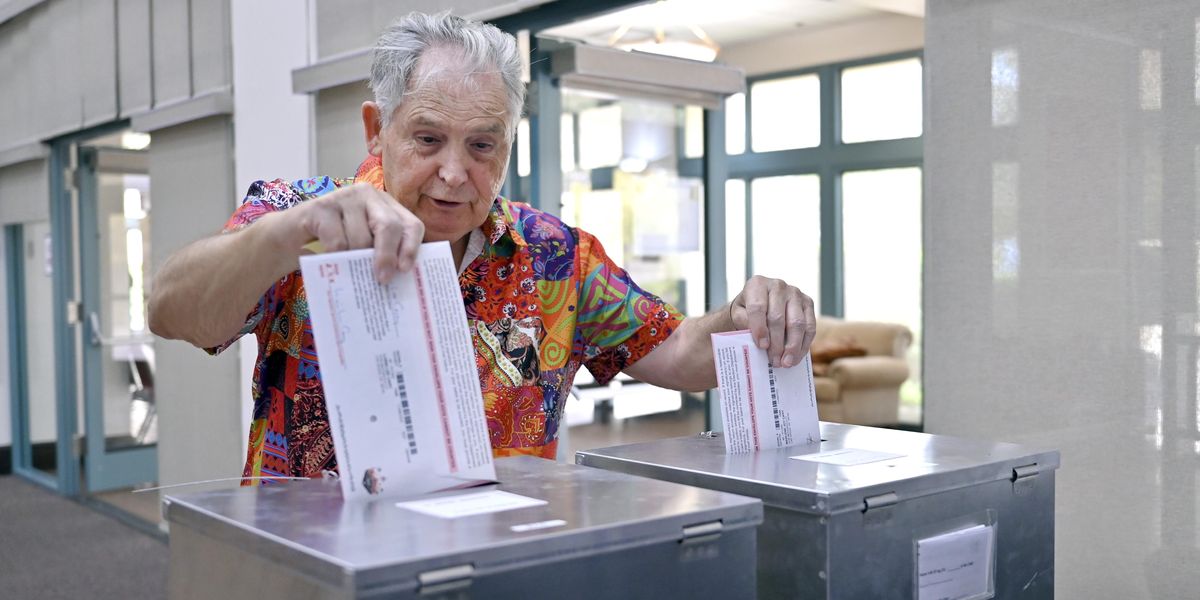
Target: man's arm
[[204, 292], [780, 317]]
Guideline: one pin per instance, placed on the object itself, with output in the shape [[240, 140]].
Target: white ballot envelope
[[401, 388], [763, 407]]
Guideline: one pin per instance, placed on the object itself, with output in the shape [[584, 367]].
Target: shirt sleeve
[[618, 321], [262, 198]]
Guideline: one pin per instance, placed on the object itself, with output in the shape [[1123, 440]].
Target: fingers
[[777, 303], [361, 216], [388, 236], [412, 236], [397, 237], [801, 328], [354, 222], [780, 318], [752, 302], [325, 224]]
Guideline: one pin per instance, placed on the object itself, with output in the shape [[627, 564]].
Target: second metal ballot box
[[578, 533], [877, 513]]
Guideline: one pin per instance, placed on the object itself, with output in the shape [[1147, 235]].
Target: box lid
[[927, 464], [367, 545]]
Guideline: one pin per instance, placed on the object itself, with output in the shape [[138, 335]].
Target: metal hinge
[[443, 580], [1025, 471], [70, 179], [880, 501], [702, 532], [72, 311]]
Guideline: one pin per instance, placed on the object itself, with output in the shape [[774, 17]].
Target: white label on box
[[466, 505], [955, 565], [847, 457]]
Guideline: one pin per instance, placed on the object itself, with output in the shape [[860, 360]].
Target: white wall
[[272, 127], [885, 34], [199, 397], [1062, 228]]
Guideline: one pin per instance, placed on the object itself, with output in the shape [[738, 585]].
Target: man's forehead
[[483, 123]]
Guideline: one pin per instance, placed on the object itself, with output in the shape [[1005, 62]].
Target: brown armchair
[[864, 390]]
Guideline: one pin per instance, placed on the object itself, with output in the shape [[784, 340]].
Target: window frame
[[830, 160]]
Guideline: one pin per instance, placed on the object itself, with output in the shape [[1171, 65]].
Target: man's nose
[[454, 168]]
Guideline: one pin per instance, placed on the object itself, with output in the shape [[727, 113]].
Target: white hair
[[484, 49]]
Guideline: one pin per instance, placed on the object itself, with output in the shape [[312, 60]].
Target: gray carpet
[[51, 547]]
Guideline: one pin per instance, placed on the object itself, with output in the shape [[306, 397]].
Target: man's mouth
[[443, 203]]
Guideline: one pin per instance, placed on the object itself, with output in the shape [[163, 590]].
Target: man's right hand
[[204, 292], [353, 217]]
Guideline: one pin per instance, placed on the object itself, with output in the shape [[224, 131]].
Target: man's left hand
[[779, 316]]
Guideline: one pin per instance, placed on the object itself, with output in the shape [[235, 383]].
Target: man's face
[[445, 151]]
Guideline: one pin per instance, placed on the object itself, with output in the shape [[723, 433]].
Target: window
[[786, 220], [735, 235], [601, 127], [785, 113], [881, 101]]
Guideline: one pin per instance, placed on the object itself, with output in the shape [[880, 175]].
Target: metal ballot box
[[877, 513], [593, 534]]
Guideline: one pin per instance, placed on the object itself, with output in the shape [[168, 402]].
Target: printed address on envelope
[[763, 407]]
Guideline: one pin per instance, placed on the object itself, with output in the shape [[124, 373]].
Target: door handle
[[97, 337]]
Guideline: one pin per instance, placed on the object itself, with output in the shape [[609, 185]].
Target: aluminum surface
[[930, 464], [308, 526]]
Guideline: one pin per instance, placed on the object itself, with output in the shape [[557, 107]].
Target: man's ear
[[372, 127]]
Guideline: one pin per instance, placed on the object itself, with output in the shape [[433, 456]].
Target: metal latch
[[1025, 471], [881, 501], [702, 532], [443, 580]]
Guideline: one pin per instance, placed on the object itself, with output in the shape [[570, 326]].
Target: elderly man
[[542, 298]]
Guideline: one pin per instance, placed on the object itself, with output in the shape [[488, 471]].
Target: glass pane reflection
[[786, 220]]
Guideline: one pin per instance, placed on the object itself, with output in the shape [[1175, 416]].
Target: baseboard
[[43, 457]]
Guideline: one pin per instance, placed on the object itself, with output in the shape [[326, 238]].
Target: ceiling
[[750, 20]]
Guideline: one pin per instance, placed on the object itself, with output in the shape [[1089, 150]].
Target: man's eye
[[483, 146], [427, 139]]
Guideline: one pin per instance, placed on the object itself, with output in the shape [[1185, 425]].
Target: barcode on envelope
[[774, 396], [406, 414]]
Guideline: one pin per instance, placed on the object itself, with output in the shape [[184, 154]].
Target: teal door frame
[[22, 444], [66, 480], [66, 311], [103, 469]]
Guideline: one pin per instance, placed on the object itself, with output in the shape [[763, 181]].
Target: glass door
[[118, 350], [622, 183]]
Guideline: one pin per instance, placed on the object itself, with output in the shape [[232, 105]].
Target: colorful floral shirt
[[541, 300]]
